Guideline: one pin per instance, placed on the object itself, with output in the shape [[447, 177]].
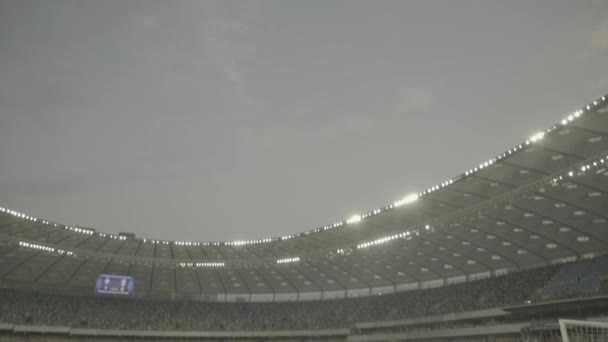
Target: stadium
[[512, 249]]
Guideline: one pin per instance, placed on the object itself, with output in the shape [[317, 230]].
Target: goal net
[[578, 331]]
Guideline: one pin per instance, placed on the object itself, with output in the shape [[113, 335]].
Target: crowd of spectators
[[553, 337], [22, 307], [578, 279], [63, 338]]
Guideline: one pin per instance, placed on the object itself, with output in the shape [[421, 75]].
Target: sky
[[231, 120]]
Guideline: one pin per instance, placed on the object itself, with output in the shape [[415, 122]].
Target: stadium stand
[[577, 279], [497, 253], [472, 306], [118, 313]]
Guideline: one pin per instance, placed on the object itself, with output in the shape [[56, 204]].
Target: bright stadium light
[[354, 219], [406, 200], [288, 260], [537, 136]]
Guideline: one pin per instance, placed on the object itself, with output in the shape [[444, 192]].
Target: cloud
[[220, 44], [413, 100], [142, 21], [599, 36], [600, 85]]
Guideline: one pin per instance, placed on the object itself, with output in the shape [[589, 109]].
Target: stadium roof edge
[[354, 219]]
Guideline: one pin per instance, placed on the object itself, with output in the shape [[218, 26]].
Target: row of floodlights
[[536, 137], [288, 260], [45, 222], [201, 264], [228, 243], [18, 214], [117, 237], [157, 242], [80, 230], [584, 168], [357, 218], [247, 242], [403, 235], [413, 197], [407, 235], [44, 248]]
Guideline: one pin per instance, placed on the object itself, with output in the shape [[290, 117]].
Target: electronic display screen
[[114, 284]]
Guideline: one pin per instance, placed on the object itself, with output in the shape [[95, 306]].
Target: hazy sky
[[221, 120]]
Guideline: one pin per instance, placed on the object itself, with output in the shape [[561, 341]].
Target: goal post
[[588, 331]]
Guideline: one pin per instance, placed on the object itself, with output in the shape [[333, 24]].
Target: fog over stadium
[[225, 120]]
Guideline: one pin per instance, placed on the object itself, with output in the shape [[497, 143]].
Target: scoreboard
[[114, 284]]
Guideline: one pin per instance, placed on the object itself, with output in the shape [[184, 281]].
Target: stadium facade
[[542, 201]]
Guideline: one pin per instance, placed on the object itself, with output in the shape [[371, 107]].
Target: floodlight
[[354, 219]]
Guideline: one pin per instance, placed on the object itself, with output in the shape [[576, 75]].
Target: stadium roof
[[542, 200]]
